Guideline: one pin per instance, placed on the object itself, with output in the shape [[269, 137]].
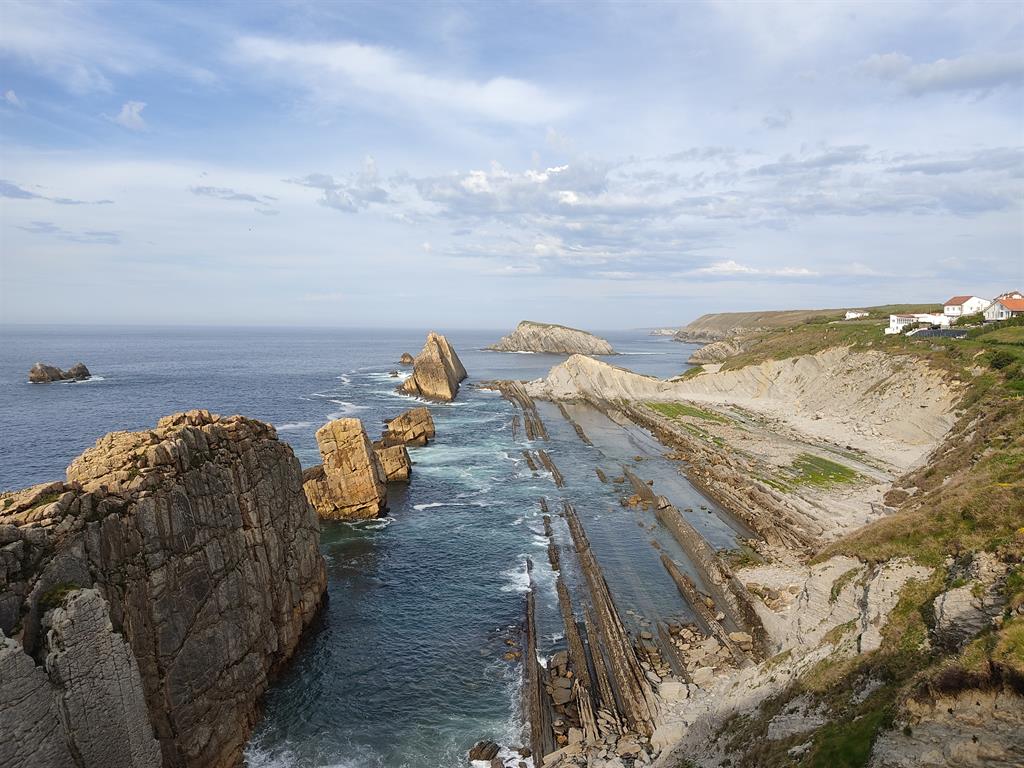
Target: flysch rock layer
[[436, 371], [146, 602], [554, 339], [893, 408], [350, 484]]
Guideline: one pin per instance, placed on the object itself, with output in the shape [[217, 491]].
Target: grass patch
[[55, 595], [847, 743], [840, 584], [689, 373], [809, 469], [675, 410]]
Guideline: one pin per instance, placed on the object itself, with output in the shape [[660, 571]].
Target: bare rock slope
[[436, 371], [555, 339], [146, 601], [897, 409]]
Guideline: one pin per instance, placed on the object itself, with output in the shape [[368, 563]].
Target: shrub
[[999, 359]]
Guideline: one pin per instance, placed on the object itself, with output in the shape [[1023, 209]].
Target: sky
[[604, 165]]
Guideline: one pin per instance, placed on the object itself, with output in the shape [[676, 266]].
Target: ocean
[[405, 667]]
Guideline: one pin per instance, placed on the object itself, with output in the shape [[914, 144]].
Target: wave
[[346, 410], [431, 505], [293, 426], [518, 579]]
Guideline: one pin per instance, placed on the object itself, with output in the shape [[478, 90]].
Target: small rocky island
[[552, 339], [436, 371], [41, 373]]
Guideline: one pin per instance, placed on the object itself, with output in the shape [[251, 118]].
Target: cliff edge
[[553, 339], [147, 600]]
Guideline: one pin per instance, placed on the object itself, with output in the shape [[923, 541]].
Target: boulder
[[406, 359], [41, 373], [394, 460], [157, 592], [414, 427], [350, 484], [483, 750], [436, 371], [553, 339]]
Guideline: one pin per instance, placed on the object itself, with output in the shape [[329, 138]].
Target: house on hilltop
[[1006, 306], [961, 306]]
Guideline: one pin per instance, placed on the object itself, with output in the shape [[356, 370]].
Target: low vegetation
[[675, 410], [967, 498]]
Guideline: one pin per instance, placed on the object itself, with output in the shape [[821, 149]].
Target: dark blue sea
[[405, 667]]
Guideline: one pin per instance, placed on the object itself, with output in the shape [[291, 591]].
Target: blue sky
[[470, 165]]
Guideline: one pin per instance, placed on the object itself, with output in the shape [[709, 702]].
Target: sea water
[[404, 668]]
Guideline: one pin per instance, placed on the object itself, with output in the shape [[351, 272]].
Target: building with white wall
[[902, 322], [960, 306]]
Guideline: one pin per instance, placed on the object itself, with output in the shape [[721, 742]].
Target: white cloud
[[731, 268], [77, 46], [130, 116], [12, 98], [974, 72], [332, 72]]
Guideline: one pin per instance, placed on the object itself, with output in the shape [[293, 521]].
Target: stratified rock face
[[350, 484], [414, 427], [436, 371], [41, 373], [394, 460], [152, 596], [555, 339]]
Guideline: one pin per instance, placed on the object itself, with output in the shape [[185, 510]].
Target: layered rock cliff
[[866, 399], [147, 601], [554, 339], [351, 482], [436, 371]]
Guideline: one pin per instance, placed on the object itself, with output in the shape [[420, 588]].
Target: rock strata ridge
[[147, 600], [553, 339]]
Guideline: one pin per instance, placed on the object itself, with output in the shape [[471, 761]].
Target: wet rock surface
[[148, 600]]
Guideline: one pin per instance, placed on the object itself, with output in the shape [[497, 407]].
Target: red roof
[[1014, 305], [957, 301]]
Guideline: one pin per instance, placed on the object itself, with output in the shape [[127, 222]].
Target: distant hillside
[[719, 325]]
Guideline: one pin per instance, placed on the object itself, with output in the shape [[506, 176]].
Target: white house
[[853, 314], [900, 323], [1006, 306], [960, 306]]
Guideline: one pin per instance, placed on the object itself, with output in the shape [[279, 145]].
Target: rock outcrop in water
[[406, 359], [413, 427], [350, 484], [146, 601], [554, 339], [436, 371], [395, 463], [41, 373]]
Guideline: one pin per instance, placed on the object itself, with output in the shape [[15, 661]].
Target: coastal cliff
[[846, 396], [147, 600], [436, 371], [553, 339]]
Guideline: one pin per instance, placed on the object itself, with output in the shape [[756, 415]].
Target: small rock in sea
[[483, 750]]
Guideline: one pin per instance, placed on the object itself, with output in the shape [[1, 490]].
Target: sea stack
[[147, 601], [41, 373], [413, 427], [351, 483], [436, 371], [553, 339]]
